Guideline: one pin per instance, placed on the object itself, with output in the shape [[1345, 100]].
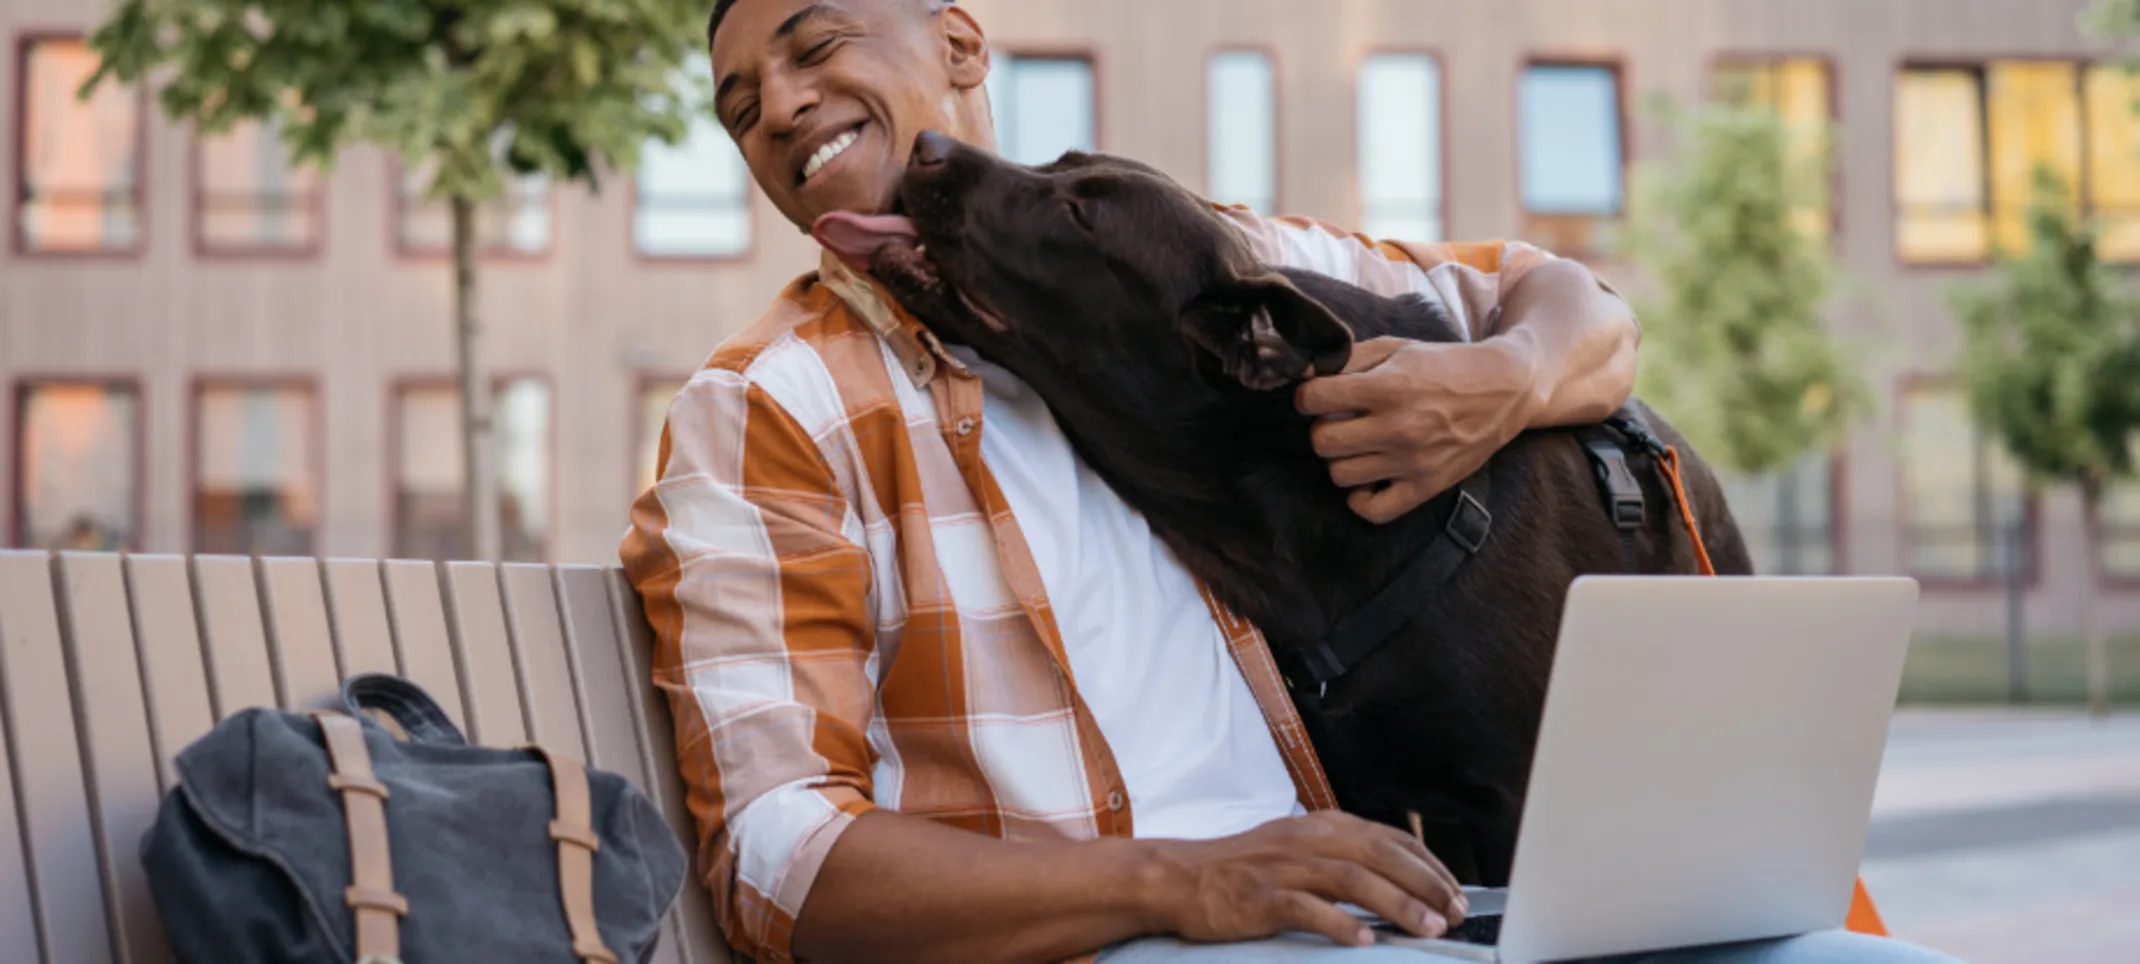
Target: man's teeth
[[825, 154]]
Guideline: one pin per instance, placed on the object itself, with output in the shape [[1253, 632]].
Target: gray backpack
[[377, 835]]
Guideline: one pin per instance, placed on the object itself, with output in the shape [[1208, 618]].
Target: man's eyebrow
[[786, 29]]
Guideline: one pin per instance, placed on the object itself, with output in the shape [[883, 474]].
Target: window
[[1399, 127], [1968, 141], [249, 197], [1043, 106], [654, 398], [516, 222], [430, 473], [1788, 518], [78, 181], [255, 463], [693, 198], [1242, 141], [1801, 93], [1572, 158], [2121, 532], [2114, 160], [1963, 494], [77, 459]]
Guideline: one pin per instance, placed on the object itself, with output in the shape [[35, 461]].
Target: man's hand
[[1419, 417], [1291, 874]]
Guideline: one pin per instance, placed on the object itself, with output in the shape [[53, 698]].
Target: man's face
[[826, 97]]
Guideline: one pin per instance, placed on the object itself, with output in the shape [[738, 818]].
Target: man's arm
[[1408, 420]]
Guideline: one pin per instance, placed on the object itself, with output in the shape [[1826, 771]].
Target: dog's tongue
[[853, 238]]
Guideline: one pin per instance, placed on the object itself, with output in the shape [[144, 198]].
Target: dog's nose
[[932, 149]]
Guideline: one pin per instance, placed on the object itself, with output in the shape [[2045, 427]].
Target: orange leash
[[1863, 918]]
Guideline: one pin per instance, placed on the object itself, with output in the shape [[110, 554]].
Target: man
[[939, 695]]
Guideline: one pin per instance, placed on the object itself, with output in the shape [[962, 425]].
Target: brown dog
[[1166, 354]]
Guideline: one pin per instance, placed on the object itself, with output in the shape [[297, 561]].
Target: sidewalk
[[2010, 837]]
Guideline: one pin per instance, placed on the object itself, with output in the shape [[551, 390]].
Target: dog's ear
[[1265, 333]]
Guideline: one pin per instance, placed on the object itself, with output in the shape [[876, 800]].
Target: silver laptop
[[1705, 767]]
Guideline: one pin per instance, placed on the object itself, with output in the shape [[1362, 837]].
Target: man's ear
[[1265, 333], [967, 47]]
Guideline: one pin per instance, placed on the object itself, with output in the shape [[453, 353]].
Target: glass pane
[[78, 158], [1939, 166], [1243, 134], [517, 221], [249, 195], [1043, 107], [1797, 89], [2034, 118], [1787, 518], [2114, 160], [1964, 492], [428, 493], [2121, 531], [694, 196], [654, 402], [1400, 147], [1571, 140], [76, 450], [256, 490]]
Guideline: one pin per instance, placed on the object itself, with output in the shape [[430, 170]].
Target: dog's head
[[1090, 269]]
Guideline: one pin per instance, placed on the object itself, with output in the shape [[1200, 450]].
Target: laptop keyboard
[[1484, 930]]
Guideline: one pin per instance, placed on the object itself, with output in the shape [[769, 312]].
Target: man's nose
[[933, 149]]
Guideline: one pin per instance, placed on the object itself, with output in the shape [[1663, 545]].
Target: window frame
[[1905, 504], [640, 255], [398, 206], [18, 244], [642, 381], [201, 384], [1270, 58], [552, 513], [1718, 59], [1441, 132], [1837, 481], [198, 220], [1090, 55], [1615, 63], [19, 409]]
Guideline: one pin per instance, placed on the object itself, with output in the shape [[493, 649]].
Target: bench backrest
[[110, 665]]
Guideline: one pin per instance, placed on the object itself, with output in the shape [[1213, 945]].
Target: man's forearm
[[1575, 340], [903, 888]]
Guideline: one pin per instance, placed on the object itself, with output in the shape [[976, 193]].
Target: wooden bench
[[109, 665]]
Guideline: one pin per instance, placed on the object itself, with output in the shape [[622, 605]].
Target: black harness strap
[[1616, 483], [1359, 634]]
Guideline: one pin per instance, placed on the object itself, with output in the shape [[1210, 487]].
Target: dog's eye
[[1077, 212]]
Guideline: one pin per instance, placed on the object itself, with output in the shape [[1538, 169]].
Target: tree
[[466, 89], [1735, 345], [2050, 345]]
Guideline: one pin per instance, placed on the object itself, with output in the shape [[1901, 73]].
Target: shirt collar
[[919, 351]]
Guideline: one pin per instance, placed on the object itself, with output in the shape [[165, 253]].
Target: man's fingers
[[1382, 505], [1299, 910], [1337, 438], [1374, 351], [1364, 470], [1441, 890]]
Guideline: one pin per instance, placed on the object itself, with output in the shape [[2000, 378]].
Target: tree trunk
[[2091, 615], [479, 495]]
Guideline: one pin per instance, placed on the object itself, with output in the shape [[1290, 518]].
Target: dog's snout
[[932, 149]]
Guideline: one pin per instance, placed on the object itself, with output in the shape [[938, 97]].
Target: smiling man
[[939, 695]]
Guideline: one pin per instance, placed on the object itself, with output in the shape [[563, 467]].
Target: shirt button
[[965, 427], [1114, 800]]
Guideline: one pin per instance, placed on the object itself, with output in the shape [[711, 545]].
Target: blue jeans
[[1827, 947]]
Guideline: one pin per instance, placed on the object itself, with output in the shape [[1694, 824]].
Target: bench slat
[[489, 683], [701, 936], [419, 623], [606, 704], [238, 661], [295, 609], [18, 917], [179, 703], [69, 898], [122, 761], [356, 609], [549, 692]]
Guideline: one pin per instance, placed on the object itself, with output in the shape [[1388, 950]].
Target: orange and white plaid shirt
[[847, 615]]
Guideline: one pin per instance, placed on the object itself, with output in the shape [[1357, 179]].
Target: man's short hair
[[720, 12]]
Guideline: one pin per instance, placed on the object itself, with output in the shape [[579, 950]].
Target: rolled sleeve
[[759, 606]]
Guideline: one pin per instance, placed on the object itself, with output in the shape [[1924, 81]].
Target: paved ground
[[2010, 837]]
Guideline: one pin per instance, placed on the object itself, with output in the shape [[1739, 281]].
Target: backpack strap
[[377, 909], [576, 845]]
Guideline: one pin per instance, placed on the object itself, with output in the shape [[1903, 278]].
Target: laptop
[[1705, 767]]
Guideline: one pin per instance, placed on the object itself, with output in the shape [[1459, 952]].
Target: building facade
[[204, 350]]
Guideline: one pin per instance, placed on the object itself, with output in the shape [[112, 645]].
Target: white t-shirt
[[1149, 659]]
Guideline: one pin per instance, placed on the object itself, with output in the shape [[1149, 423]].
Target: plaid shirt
[[847, 615]]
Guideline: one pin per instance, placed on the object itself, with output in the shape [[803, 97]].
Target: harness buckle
[[1469, 523], [1628, 511]]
